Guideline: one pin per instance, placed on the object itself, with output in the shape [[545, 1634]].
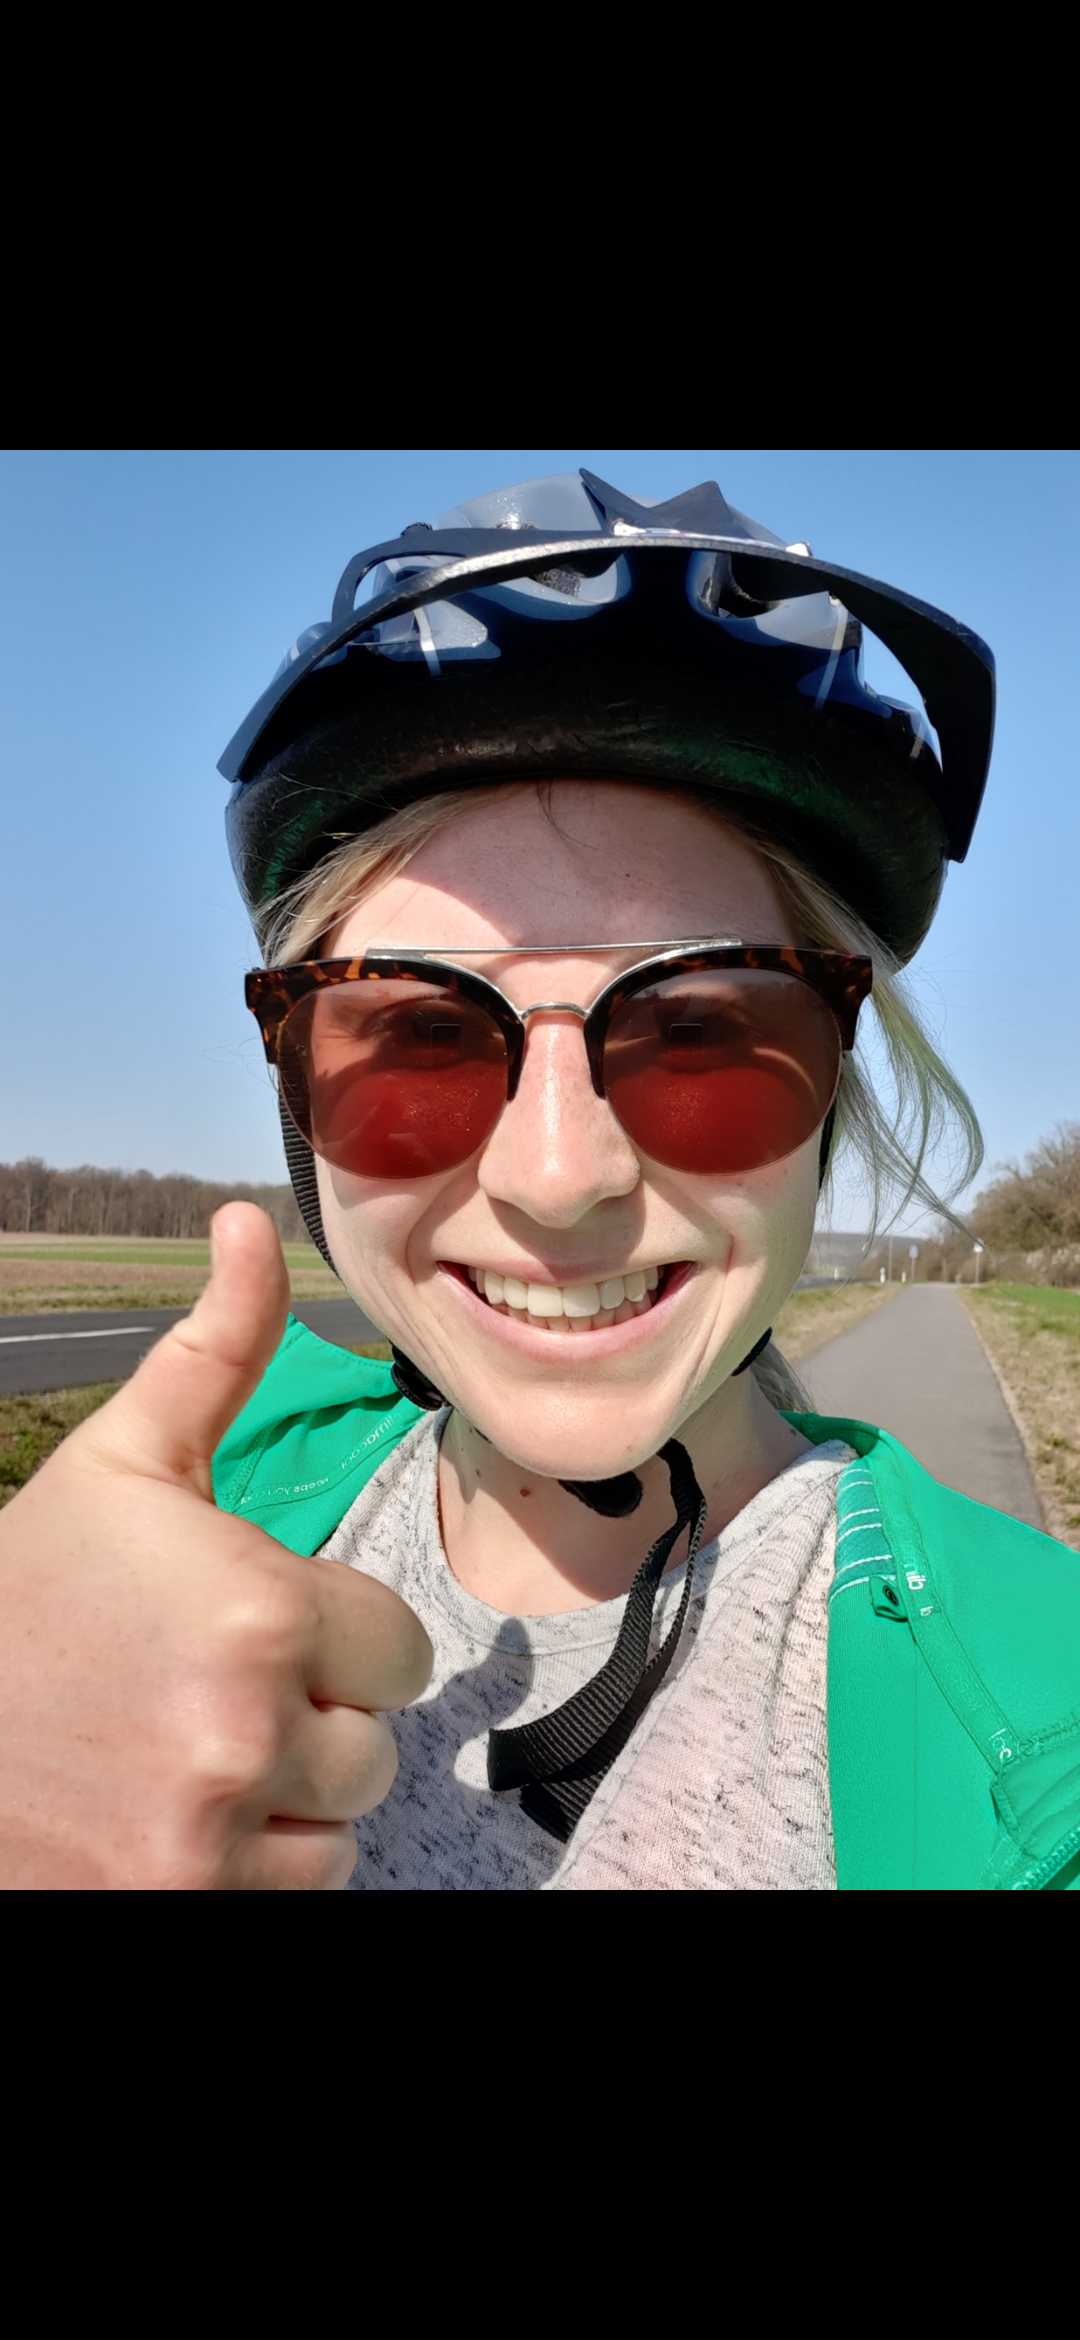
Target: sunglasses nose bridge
[[562, 1007]]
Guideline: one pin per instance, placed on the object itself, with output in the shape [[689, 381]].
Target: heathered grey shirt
[[723, 1784]]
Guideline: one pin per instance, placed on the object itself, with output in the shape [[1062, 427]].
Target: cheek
[[767, 1216], [369, 1227], [781, 1224]]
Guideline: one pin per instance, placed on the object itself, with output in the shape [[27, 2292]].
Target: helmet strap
[[301, 1164], [825, 1148], [559, 1761]]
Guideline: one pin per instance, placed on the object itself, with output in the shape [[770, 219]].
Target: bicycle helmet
[[561, 628]]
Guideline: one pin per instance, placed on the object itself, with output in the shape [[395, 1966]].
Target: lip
[[610, 1341]]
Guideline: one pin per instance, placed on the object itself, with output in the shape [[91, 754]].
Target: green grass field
[[1032, 1332], [42, 1273], [1035, 1308], [31, 1426]]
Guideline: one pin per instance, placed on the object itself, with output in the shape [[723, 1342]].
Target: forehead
[[592, 861]]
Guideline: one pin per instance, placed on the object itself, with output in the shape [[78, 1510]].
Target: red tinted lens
[[722, 1071], [392, 1079]]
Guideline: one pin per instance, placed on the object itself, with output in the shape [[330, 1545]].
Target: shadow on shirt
[[437, 1832]]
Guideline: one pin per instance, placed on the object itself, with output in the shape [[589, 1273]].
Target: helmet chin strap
[[559, 1761], [301, 1167]]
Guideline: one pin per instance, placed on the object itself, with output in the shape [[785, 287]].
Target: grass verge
[[32, 1425], [809, 1319], [1031, 1333]]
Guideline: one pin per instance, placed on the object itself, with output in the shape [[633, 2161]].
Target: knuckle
[[271, 1620], [288, 1615], [236, 1754]]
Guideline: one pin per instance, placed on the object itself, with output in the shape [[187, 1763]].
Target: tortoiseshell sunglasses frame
[[842, 979]]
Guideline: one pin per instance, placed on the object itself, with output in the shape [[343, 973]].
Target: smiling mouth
[[573, 1308]]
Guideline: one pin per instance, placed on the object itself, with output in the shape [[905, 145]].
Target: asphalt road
[[916, 1368], [65, 1349]]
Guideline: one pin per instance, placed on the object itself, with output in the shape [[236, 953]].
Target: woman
[[575, 851]]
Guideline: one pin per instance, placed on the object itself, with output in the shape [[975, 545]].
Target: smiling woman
[[795, 1080], [576, 849], [559, 1194]]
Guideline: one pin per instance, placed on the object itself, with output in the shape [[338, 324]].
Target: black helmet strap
[[301, 1165], [559, 1761]]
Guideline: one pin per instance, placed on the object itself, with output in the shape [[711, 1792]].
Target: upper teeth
[[571, 1300]]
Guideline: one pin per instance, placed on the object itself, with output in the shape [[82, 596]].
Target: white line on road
[[105, 1332]]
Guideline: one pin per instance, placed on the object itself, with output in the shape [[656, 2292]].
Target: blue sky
[[145, 599]]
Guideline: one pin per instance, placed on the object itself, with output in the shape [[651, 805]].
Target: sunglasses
[[714, 1057]]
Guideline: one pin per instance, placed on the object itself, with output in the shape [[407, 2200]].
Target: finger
[[167, 1420], [293, 1856], [338, 1765], [369, 1648]]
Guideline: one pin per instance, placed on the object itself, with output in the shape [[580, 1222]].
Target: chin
[[597, 1437]]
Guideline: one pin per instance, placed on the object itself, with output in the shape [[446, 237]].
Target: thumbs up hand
[[184, 1703]]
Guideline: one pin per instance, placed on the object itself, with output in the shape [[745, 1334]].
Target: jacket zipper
[[1048, 1869]]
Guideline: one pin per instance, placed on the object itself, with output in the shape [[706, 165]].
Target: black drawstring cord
[[559, 1761]]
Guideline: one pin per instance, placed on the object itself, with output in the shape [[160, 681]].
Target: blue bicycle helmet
[[562, 629]]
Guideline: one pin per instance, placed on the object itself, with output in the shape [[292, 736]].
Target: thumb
[[167, 1420]]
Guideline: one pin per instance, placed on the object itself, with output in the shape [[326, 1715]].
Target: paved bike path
[[916, 1367]]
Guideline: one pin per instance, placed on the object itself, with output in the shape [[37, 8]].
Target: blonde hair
[[891, 1143]]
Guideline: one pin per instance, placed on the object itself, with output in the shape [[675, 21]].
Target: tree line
[[38, 1200], [1027, 1219]]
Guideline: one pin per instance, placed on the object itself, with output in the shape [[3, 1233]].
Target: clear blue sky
[[146, 599]]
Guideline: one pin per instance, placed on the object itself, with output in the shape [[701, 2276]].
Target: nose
[[557, 1151]]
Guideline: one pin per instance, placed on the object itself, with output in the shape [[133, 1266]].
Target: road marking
[[105, 1332]]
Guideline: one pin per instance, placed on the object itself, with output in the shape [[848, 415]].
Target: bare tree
[[1039, 1206]]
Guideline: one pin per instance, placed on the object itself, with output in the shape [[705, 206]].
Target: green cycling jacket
[[954, 1632]]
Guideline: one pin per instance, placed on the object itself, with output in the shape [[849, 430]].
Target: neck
[[527, 1548]]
